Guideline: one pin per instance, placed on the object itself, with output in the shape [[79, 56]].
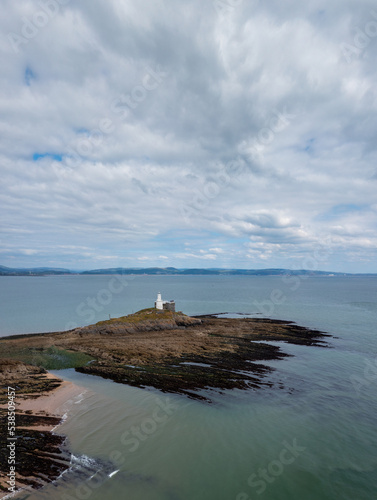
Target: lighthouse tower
[[159, 304], [164, 304]]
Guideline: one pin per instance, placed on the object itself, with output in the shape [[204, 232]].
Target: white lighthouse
[[164, 304], [159, 304]]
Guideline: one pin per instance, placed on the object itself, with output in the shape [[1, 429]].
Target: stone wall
[[169, 306]]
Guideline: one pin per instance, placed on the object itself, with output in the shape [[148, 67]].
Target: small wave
[[82, 461], [79, 398], [13, 494], [113, 473], [63, 419], [82, 465]]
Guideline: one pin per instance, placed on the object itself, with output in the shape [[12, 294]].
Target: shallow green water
[[311, 436]]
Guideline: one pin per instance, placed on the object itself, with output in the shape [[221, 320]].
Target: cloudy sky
[[219, 133]]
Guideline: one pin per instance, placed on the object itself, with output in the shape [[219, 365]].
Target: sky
[[207, 134]]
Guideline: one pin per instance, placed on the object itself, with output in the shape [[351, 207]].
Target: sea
[[311, 435]]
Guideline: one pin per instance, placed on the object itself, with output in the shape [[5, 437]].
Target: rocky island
[[152, 348]]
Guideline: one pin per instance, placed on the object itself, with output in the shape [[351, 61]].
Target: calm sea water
[[312, 436]]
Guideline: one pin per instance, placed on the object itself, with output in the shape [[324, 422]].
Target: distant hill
[[50, 271], [215, 272], [37, 271]]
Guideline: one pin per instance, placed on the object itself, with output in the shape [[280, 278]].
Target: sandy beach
[[54, 403], [169, 351], [38, 414]]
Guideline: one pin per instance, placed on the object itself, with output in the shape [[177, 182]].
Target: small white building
[[164, 304]]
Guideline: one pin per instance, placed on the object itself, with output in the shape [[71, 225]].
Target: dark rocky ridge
[[167, 350], [40, 454], [220, 355]]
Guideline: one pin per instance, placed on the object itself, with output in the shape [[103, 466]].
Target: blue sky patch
[[29, 76], [53, 156], [347, 208], [338, 211], [309, 145]]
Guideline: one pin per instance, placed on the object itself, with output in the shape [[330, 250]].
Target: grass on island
[[49, 358], [150, 314], [57, 358]]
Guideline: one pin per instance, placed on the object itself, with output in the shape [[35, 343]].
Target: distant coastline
[[171, 271]]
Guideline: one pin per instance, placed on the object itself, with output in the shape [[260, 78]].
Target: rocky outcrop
[[11, 369], [147, 320]]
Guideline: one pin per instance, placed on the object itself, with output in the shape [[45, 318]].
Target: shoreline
[[55, 401], [169, 351], [41, 453]]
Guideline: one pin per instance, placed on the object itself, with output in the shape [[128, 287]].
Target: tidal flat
[[168, 351]]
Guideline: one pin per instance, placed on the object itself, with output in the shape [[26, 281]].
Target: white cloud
[[148, 103]]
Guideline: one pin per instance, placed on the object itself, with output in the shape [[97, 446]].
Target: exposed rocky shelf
[[166, 350], [40, 454], [169, 351]]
